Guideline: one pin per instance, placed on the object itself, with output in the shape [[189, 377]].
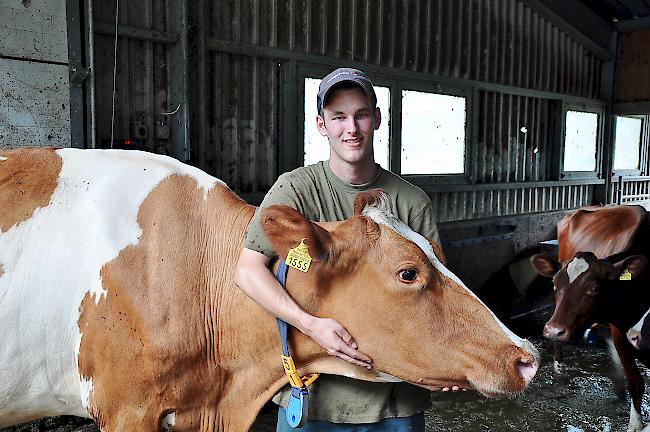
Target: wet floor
[[586, 403]]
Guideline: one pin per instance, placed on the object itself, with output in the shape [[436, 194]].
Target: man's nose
[[351, 125]]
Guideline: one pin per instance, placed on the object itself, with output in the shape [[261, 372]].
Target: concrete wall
[[34, 87]]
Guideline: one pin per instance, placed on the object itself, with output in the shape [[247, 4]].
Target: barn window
[[627, 146], [433, 133], [581, 137], [316, 146]]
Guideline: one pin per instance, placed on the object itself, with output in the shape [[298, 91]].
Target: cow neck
[[625, 301]]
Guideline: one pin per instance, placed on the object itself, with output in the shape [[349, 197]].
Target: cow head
[[388, 286], [583, 288]]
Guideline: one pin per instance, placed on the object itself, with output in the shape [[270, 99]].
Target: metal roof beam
[[578, 21], [633, 25]]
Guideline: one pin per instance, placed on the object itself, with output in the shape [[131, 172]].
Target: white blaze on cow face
[[575, 268], [2, 158], [52, 260], [381, 214], [638, 326]]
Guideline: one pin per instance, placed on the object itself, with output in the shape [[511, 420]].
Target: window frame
[[598, 169], [642, 152], [396, 84], [446, 90]]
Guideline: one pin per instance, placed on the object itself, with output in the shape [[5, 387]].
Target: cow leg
[[634, 378], [618, 371], [558, 362]]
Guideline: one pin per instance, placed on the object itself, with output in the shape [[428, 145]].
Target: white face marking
[[2, 158], [53, 260], [381, 214], [168, 422], [638, 326], [575, 268], [387, 378]]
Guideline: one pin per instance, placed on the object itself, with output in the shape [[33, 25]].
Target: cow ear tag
[[626, 275], [299, 257], [297, 407]]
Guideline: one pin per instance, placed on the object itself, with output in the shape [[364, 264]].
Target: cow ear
[[635, 264], [545, 265], [285, 228], [438, 251], [371, 197]]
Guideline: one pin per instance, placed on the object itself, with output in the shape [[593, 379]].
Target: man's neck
[[354, 173]]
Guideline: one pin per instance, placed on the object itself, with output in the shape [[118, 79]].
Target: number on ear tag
[[299, 257], [626, 275]]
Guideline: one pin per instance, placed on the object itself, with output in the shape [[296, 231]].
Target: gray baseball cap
[[342, 75]]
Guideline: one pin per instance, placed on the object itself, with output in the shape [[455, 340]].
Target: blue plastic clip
[[297, 407]]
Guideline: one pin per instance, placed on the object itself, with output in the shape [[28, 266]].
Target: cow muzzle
[[556, 332], [634, 336]]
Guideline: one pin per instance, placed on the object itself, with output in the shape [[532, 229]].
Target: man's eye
[[408, 275]]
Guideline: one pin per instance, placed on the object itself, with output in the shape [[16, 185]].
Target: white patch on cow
[[638, 326], [2, 158], [167, 423], [387, 378], [86, 387], [53, 260], [381, 213], [575, 268]]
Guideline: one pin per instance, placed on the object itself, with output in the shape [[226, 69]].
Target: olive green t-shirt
[[317, 193]]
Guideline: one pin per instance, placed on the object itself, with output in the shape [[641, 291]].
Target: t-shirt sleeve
[[282, 192], [425, 224]]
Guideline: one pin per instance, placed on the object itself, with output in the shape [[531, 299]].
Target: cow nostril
[[527, 370], [561, 333]]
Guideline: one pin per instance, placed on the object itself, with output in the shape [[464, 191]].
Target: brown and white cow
[[117, 299], [589, 292]]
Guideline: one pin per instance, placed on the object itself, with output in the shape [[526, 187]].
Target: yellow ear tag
[[299, 257], [626, 275]]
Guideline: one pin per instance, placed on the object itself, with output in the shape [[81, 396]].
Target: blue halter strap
[[299, 398]]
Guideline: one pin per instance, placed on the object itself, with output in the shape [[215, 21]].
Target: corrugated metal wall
[[142, 84], [499, 42]]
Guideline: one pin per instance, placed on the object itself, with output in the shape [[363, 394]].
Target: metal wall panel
[[453, 206], [142, 84], [242, 112], [499, 41]]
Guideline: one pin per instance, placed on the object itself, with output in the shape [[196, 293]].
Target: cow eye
[[408, 275]]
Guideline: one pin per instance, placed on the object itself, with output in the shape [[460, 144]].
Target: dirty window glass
[[628, 143], [316, 145], [433, 133], [580, 141]]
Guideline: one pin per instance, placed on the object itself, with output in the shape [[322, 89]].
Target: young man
[[348, 116]]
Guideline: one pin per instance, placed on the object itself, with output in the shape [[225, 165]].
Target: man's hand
[[336, 340]]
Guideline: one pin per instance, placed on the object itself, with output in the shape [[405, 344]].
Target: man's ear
[[545, 265], [377, 114], [320, 124], [285, 228], [635, 264]]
